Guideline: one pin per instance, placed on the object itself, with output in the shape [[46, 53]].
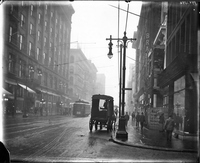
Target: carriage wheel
[[108, 126], [91, 124], [96, 125], [101, 126]]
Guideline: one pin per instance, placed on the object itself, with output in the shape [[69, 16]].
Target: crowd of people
[[168, 125]]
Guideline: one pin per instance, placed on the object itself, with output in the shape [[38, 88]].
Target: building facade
[[129, 107], [167, 63], [82, 77], [35, 56]]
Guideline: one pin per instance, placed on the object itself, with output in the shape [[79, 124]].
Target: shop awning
[[27, 88], [6, 92], [50, 93], [67, 97], [11, 82]]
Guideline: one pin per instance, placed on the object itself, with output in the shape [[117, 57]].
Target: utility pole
[[121, 133]]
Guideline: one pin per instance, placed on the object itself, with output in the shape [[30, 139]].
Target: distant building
[[82, 76], [35, 57], [100, 84], [129, 93]]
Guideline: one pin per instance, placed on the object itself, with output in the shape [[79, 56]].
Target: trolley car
[[102, 112], [81, 108]]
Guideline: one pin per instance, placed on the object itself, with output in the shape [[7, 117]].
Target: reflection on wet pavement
[[157, 138]]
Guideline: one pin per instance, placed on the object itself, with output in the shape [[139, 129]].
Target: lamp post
[[121, 133], [31, 70], [41, 109]]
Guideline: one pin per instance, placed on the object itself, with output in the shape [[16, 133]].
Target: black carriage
[[102, 112]]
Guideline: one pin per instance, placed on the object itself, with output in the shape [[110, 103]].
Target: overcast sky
[[92, 23]]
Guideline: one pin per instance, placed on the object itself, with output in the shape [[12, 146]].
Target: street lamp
[[110, 54], [30, 71], [121, 133]]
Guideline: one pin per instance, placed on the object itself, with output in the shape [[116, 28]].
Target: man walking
[[127, 118], [169, 127], [142, 120], [137, 119]]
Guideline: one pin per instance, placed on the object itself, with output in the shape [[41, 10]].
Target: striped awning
[[6, 92], [27, 88]]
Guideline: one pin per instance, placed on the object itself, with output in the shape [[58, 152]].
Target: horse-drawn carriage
[[102, 112]]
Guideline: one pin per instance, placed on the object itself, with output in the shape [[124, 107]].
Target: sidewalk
[[153, 139]]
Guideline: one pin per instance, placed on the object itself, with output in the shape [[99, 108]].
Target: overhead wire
[[118, 41]]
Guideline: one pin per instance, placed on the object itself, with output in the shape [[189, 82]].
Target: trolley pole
[[121, 132]]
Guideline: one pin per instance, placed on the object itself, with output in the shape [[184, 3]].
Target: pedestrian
[[169, 127], [142, 120], [127, 118], [137, 119], [162, 121], [133, 116]]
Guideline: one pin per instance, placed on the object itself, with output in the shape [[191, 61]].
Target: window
[[10, 34], [39, 18], [49, 61], [11, 63], [20, 69], [45, 41], [38, 53], [31, 10], [31, 28], [54, 65], [38, 35], [44, 57], [51, 81], [46, 7], [60, 24], [20, 42], [30, 47], [22, 22], [45, 24]]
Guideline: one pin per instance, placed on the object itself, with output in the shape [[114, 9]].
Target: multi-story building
[[166, 63], [36, 50], [180, 65], [147, 29], [82, 77]]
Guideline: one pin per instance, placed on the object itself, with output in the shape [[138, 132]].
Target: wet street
[[65, 138]]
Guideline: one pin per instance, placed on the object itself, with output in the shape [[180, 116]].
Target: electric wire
[[118, 41]]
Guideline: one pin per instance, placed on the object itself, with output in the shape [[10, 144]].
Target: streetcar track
[[35, 128], [52, 145], [20, 124]]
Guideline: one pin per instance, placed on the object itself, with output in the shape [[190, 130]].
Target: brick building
[[36, 48]]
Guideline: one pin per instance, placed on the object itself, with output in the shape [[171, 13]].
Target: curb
[[151, 147]]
